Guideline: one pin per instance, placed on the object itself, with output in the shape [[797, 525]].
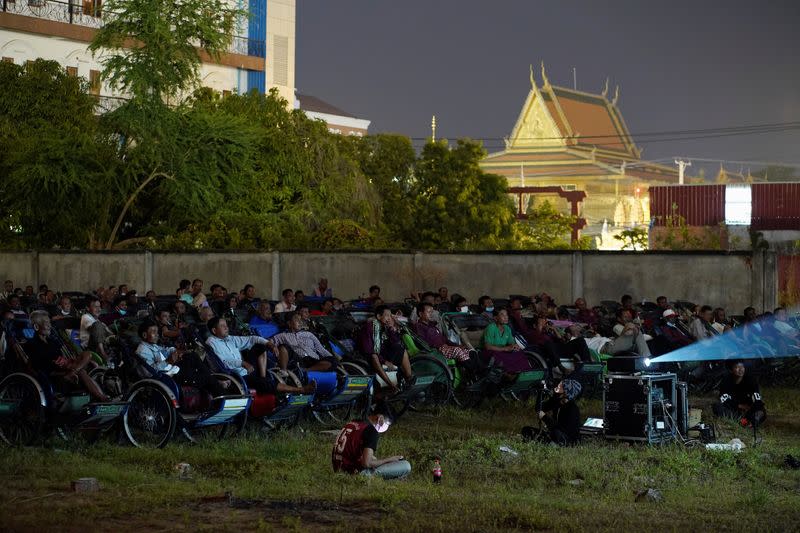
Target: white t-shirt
[[86, 322], [281, 307]]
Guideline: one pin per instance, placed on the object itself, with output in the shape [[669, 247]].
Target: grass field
[[284, 481]]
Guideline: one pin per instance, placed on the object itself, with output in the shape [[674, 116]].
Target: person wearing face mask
[[560, 416], [487, 307], [64, 310], [461, 305], [120, 310], [355, 447]]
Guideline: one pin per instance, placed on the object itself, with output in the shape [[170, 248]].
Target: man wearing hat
[[673, 335], [355, 447], [562, 426]]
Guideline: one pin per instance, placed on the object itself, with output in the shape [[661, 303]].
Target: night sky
[[681, 65]]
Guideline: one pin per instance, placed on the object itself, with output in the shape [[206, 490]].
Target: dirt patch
[[308, 514]]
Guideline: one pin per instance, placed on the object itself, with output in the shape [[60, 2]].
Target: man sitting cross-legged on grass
[[380, 342], [254, 371], [304, 346], [185, 367], [355, 447]]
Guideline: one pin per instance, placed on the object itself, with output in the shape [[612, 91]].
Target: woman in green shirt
[[498, 343]]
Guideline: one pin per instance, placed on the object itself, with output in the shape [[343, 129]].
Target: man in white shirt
[[287, 305], [228, 348], [782, 324]]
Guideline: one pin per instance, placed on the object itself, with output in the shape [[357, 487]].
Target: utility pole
[[433, 129], [682, 168]]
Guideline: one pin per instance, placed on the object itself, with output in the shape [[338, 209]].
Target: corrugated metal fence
[[775, 206], [700, 205]]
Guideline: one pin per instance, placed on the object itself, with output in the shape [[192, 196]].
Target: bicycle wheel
[[151, 418], [22, 410]]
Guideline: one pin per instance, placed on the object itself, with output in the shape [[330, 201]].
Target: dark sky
[[681, 65]]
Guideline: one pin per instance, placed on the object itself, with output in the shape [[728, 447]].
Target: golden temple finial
[[544, 76], [605, 89], [433, 128], [533, 80], [616, 95]]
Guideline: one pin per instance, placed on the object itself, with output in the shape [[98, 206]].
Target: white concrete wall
[[733, 281], [22, 47], [281, 23]]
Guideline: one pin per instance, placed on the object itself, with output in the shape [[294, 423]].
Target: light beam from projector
[[735, 344]]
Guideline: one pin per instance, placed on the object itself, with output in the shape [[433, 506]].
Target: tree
[[545, 229], [456, 204], [59, 171], [151, 48], [178, 161], [776, 173], [387, 160]]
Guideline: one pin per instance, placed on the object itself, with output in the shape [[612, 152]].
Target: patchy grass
[[284, 481]]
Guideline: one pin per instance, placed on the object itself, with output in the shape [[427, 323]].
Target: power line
[[687, 137], [749, 127]]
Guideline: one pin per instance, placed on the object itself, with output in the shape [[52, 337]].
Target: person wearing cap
[[355, 447], [563, 423], [740, 397], [673, 335]]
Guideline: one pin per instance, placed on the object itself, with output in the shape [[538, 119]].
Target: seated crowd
[[251, 334]]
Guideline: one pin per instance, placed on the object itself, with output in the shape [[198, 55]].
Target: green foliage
[[149, 46], [547, 229], [58, 170], [776, 173], [455, 204], [634, 239]]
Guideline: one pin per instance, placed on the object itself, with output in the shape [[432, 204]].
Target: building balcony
[[90, 14]]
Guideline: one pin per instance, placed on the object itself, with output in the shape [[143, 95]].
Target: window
[[8, 59], [72, 71], [94, 82], [92, 7], [226, 93], [738, 205], [570, 187]]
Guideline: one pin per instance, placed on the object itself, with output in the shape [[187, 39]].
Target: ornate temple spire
[[544, 76], [605, 89], [616, 96]]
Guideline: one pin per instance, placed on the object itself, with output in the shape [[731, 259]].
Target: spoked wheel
[[440, 390], [22, 414], [151, 417]]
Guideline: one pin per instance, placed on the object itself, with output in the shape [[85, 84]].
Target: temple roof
[[566, 132], [312, 103]]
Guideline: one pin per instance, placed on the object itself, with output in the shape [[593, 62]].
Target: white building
[[261, 55], [338, 121]]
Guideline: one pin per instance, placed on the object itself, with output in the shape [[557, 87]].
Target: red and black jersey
[[350, 445]]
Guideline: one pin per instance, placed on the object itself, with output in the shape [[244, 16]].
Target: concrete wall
[[732, 280]]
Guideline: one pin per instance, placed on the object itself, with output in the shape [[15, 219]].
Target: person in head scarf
[[560, 416]]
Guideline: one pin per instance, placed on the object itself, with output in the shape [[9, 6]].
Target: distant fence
[[734, 280]]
